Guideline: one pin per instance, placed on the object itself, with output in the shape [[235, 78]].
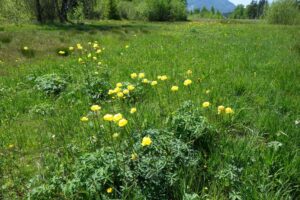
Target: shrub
[[156, 168], [4, 38], [97, 87], [26, 52], [51, 84], [190, 126], [283, 12]]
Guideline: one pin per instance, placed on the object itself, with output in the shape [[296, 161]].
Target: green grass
[[253, 68]]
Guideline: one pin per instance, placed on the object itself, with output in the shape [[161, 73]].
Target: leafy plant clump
[[124, 170], [51, 84], [190, 126], [97, 87]]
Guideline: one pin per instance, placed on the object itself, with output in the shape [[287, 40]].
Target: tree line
[[69, 10]]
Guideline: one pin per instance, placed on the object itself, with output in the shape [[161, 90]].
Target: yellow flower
[[80, 60], [127, 46], [159, 77], [123, 122], [189, 72], [95, 45], [132, 110], [153, 83], [146, 141], [133, 75], [109, 190], [108, 117], [119, 85], [187, 82], [94, 58], [84, 119], [110, 92], [141, 75], [115, 135], [205, 104], [89, 55], [79, 46], [117, 89], [98, 51], [145, 80], [229, 110], [130, 87], [99, 63], [117, 117], [174, 88], [61, 52], [163, 78], [71, 48], [120, 94], [25, 48], [221, 109], [134, 156], [207, 91], [95, 108], [11, 146], [126, 91]]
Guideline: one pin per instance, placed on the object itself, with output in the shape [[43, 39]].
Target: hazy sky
[[245, 2]]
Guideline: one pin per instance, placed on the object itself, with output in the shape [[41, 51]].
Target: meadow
[[140, 110]]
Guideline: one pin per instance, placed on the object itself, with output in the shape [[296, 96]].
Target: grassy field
[[176, 145]]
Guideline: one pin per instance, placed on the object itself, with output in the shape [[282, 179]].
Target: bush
[[26, 52], [190, 126], [97, 88], [51, 84], [151, 175], [284, 12]]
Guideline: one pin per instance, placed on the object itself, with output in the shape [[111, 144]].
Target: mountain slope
[[223, 6]]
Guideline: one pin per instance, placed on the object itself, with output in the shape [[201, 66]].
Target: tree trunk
[[38, 11]]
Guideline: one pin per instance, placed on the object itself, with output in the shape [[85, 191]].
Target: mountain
[[224, 6]]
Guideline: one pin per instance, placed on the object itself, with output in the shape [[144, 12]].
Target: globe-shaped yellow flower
[[145, 80], [71, 48], [130, 87], [123, 122], [109, 190], [133, 75], [84, 119], [141, 75], [174, 88], [108, 117], [163, 78], [120, 94], [95, 108], [119, 85], [61, 52], [153, 83], [146, 141], [189, 72], [229, 110], [117, 117], [187, 82], [133, 110], [221, 109], [206, 104], [126, 91]]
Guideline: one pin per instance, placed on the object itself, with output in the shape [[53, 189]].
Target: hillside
[[224, 6]]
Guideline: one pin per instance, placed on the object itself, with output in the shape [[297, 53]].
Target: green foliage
[[5, 38], [27, 52], [284, 12], [156, 168], [51, 84], [193, 128], [97, 88]]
